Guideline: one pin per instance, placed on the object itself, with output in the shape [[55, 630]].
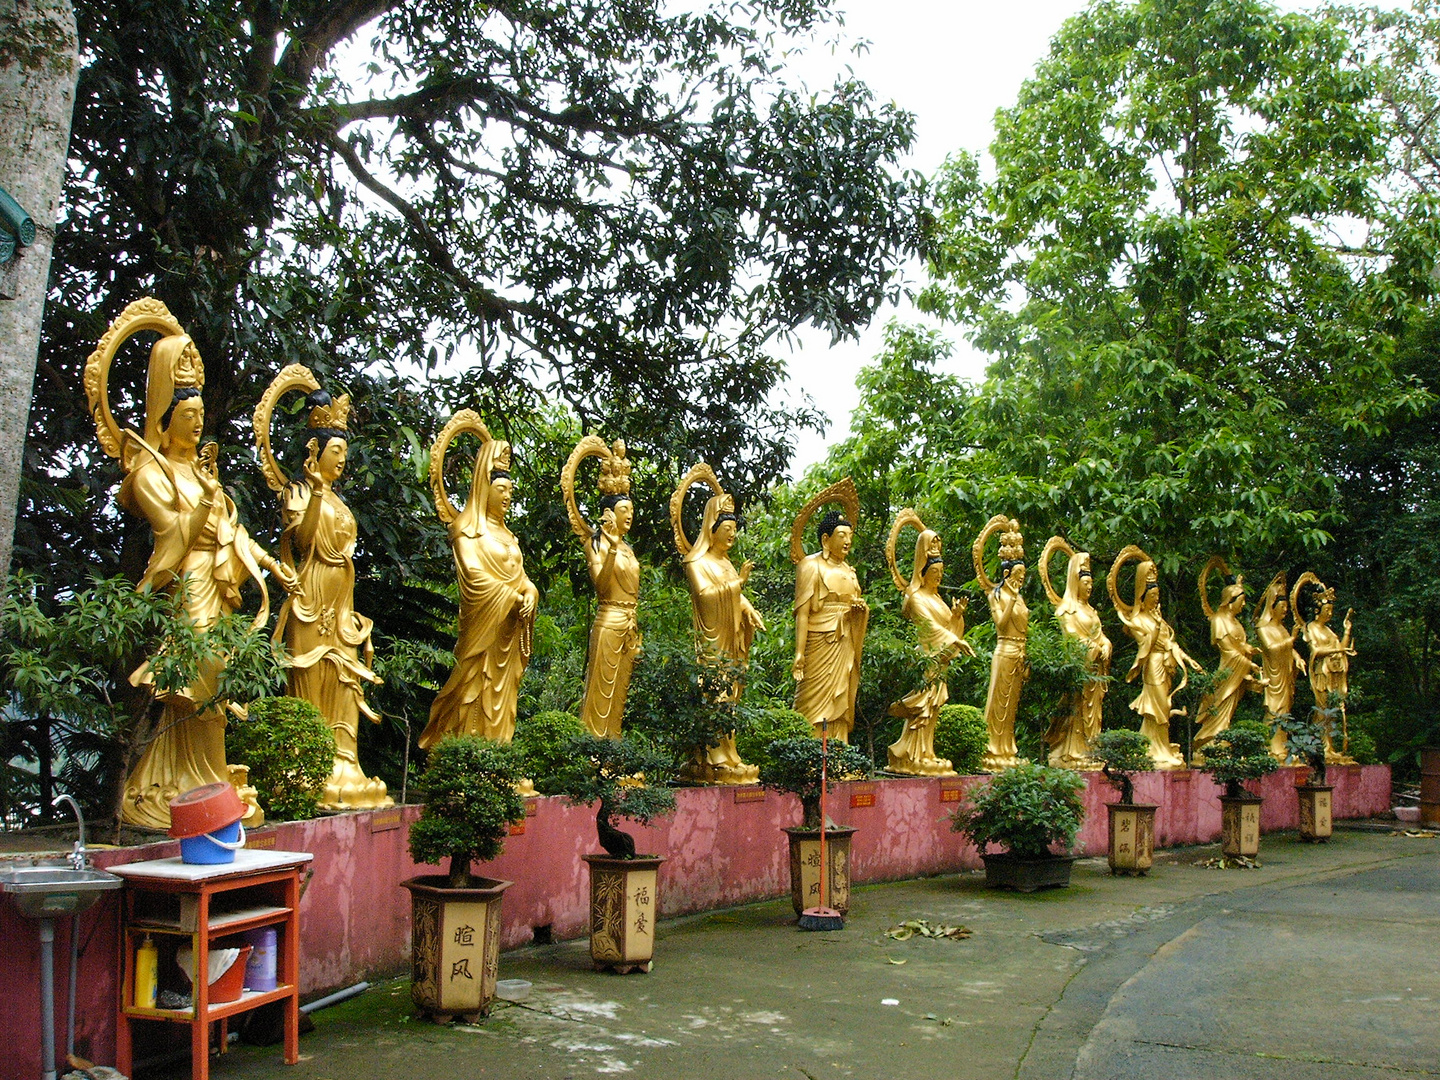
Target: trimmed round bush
[[767, 724], [468, 789], [961, 736], [541, 744], [1025, 810], [290, 750]]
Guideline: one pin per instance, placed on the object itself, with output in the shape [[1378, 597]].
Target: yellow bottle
[[147, 964]]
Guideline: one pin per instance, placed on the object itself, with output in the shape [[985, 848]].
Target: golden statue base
[[910, 766], [350, 789]]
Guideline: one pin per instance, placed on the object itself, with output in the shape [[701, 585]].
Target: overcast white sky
[[952, 63]]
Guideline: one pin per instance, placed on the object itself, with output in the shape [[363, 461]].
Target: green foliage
[[794, 765], [542, 742], [1122, 754], [768, 724], [1241, 752], [962, 736], [468, 789], [604, 771], [1305, 741], [290, 750], [65, 662], [1025, 810], [1058, 671]]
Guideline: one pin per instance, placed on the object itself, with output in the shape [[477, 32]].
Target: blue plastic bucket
[[211, 848]]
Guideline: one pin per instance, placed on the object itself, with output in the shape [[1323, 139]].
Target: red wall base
[[723, 845]]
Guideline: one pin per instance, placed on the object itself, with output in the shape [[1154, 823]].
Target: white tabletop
[[246, 862]]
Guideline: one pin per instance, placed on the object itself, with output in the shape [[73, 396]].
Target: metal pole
[[47, 999]]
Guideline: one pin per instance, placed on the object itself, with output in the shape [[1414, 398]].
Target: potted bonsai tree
[[1238, 754], [793, 765], [1026, 809], [621, 778], [1121, 755], [1306, 741], [468, 789]]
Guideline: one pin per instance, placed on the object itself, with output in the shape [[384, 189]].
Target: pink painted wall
[[724, 847]]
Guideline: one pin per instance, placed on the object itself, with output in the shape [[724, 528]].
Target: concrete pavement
[[1324, 963]]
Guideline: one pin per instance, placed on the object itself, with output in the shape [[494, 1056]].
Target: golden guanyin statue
[[941, 628], [1071, 732], [323, 633], [1314, 604], [615, 572], [831, 616], [725, 621], [1157, 656], [1008, 667], [200, 547], [1237, 672], [1279, 660], [497, 599]]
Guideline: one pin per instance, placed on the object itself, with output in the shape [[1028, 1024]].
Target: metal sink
[[43, 892]]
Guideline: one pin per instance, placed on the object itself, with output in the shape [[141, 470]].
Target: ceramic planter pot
[[1315, 822], [1240, 825], [454, 946], [624, 902], [1025, 874], [805, 867], [1132, 837]]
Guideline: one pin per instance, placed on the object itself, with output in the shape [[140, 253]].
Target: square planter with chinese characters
[[624, 903], [1240, 825], [455, 946], [1315, 811], [805, 867], [1132, 837]]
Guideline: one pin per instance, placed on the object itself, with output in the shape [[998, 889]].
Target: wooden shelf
[[201, 904]]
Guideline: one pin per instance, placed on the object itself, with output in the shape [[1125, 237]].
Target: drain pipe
[[47, 999], [335, 998]]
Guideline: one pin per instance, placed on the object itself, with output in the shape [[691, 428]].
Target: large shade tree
[[614, 207]]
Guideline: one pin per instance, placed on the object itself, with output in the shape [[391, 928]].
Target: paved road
[[1323, 964]]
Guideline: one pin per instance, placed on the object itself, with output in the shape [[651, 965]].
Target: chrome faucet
[[78, 858]]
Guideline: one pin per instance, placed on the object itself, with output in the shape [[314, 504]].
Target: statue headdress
[[334, 416], [718, 507], [1145, 576], [291, 377], [471, 519], [1265, 610], [842, 492], [1012, 547], [614, 478], [1233, 587], [175, 364], [1078, 563], [1308, 596], [928, 547]]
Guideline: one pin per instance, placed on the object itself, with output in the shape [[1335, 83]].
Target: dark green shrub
[[769, 723], [679, 701], [290, 750], [794, 766], [1122, 753], [1362, 746], [541, 741], [1025, 810], [961, 736], [609, 772], [468, 788], [1241, 752]]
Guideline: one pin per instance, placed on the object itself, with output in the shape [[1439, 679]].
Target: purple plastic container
[[260, 970]]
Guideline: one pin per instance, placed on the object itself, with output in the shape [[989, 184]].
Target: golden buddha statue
[[1237, 671], [1314, 604], [830, 615], [941, 629], [1008, 667], [615, 572], [1279, 660], [200, 547], [321, 629], [1070, 733], [1157, 656], [725, 621], [497, 599]]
